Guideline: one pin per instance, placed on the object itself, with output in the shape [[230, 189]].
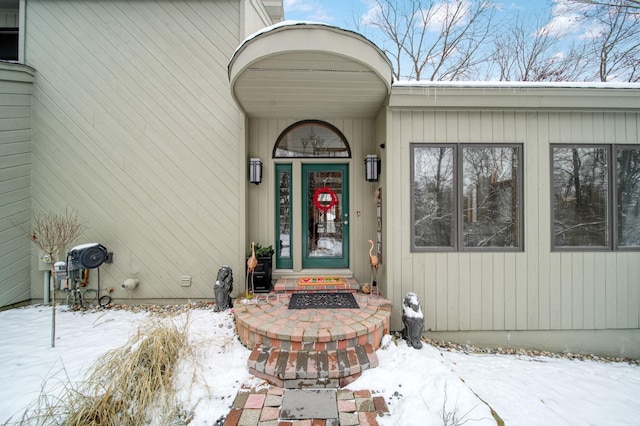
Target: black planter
[[262, 275]]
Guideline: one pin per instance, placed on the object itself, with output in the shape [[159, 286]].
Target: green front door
[[325, 216]]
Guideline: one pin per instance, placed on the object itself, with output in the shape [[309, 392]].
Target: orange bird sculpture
[[252, 262], [373, 261]]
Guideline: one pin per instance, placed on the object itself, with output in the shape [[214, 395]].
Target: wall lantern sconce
[[372, 167], [255, 170]]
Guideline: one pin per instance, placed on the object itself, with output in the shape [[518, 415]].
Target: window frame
[[310, 123], [458, 198], [611, 227]]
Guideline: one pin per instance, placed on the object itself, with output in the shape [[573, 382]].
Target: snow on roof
[[294, 24], [518, 84]]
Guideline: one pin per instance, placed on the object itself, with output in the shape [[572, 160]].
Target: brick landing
[[267, 320]]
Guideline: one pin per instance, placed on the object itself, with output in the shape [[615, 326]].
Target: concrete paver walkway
[[275, 406]]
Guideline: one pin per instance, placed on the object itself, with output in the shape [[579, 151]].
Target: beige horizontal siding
[[533, 290], [15, 182], [135, 128]]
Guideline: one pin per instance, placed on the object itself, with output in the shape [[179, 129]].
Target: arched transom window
[[311, 139]]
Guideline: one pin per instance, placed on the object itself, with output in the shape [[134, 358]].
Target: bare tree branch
[[439, 40]]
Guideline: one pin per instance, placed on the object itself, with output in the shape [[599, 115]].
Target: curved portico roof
[[309, 70]]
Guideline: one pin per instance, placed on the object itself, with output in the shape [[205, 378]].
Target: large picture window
[[595, 196], [466, 197]]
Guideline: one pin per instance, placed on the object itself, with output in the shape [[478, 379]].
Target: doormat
[[323, 301], [320, 281]]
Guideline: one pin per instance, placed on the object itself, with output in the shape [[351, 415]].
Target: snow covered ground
[[420, 386]]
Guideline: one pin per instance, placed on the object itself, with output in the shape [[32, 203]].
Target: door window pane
[[433, 196], [628, 196], [283, 216], [580, 196], [490, 191], [324, 201]]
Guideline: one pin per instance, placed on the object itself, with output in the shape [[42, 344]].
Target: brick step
[[299, 369]]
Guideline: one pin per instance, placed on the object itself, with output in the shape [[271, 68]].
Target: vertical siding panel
[[441, 290], [611, 290], [531, 175], [622, 320], [566, 282], [487, 277], [510, 313], [393, 216], [475, 311], [453, 298], [498, 291], [464, 291], [589, 301], [464, 126], [522, 306], [486, 126], [497, 125], [632, 130], [633, 274], [430, 293], [420, 285], [600, 291], [530, 226], [539, 215], [577, 291]]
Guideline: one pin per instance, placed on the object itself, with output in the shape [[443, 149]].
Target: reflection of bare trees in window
[[490, 197], [489, 208], [433, 197], [580, 188], [628, 174]]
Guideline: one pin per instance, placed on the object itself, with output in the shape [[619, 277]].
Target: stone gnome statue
[[223, 288], [413, 320]]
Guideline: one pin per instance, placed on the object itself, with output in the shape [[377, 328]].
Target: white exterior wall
[[15, 180], [529, 291], [135, 128]]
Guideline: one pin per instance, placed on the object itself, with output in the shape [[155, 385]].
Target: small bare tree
[[52, 233]]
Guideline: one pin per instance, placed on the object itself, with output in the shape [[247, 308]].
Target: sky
[[343, 13], [555, 17], [419, 386]]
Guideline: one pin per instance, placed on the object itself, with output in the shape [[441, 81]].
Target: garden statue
[[374, 262], [223, 288], [413, 320]]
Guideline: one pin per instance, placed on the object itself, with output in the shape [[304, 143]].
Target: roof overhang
[[309, 70], [468, 95]]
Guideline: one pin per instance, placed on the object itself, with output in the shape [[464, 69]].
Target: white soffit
[[309, 70]]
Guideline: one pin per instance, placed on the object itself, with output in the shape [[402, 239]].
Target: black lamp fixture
[[372, 167], [255, 170]]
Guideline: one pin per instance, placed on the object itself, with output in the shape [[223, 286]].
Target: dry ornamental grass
[[130, 385]]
